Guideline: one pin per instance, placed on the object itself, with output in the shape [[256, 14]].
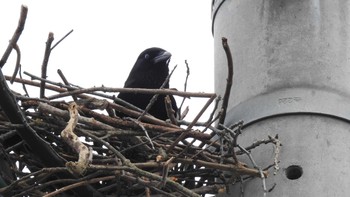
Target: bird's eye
[[146, 56]]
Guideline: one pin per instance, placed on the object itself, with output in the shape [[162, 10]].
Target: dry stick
[[61, 39], [235, 137], [36, 84], [87, 182], [237, 133], [229, 81], [262, 175], [207, 125], [224, 105], [258, 143], [16, 35], [185, 86], [211, 118], [169, 110], [65, 81], [203, 149], [45, 62], [184, 134], [278, 144], [126, 90], [135, 91], [93, 90], [18, 62], [23, 85], [143, 129], [238, 168], [217, 100], [166, 171]]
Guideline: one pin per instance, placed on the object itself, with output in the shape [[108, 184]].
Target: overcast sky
[[109, 35]]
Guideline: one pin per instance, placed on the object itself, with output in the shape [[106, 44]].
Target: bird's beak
[[164, 56]]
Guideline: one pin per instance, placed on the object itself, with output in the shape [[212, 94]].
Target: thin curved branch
[[229, 81], [16, 35]]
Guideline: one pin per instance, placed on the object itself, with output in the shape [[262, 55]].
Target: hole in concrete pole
[[294, 172]]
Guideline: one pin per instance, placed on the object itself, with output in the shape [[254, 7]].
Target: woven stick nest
[[77, 147]]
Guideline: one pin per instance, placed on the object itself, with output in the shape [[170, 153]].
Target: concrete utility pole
[[291, 78]]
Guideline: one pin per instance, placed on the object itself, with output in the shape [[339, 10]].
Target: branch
[[44, 65], [229, 81], [72, 186], [61, 39], [185, 85], [185, 133], [65, 81], [18, 63], [16, 35]]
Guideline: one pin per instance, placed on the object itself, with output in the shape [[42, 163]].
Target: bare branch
[[229, 81], [45, 62], [16, 35]]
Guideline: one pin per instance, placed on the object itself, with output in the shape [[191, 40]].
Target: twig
[[23, 84], [256, 144], [115, 151], [65, 81], [185, 84], [278, 145], [233, 143], [133, 90], [217, 100], [16, 35], [229, 81], [18, 62], [262, 175], [45, 62], [166, 171], [184, 134], [77, 91], [143, 129], [169, 110], [69, 187], [61, 39]]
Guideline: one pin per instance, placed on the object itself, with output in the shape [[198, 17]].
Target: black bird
[[150, 71]]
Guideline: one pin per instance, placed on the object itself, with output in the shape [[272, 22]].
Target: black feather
[[150, 71]]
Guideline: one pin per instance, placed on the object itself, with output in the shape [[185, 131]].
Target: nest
[[77, 147]]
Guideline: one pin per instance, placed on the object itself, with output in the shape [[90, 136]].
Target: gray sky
[[109, 35]]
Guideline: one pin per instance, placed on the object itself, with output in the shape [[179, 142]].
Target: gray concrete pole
[[292, 78]]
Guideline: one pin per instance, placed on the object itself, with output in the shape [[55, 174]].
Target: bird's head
[[155, 56], [150, 69]]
